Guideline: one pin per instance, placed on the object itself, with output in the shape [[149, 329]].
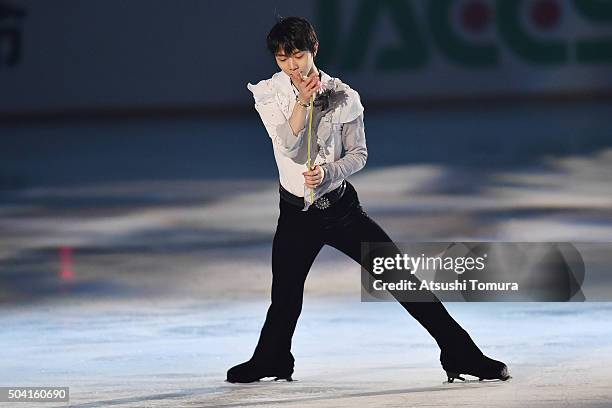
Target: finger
[[297, 79], [312, 89], [310, 92], [309, 81], [314, 83]]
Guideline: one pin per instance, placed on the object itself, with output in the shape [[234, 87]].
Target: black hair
[[290, 34]]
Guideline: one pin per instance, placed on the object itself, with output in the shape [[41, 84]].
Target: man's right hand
[[307, 86]]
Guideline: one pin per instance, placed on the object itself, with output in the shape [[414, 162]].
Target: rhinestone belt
[[322, 203]]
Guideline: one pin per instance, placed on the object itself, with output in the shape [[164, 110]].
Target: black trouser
[[299, 237]]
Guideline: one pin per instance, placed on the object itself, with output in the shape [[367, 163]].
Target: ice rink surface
[[175, 353]]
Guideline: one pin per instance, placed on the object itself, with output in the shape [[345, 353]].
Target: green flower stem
[[309, 139]]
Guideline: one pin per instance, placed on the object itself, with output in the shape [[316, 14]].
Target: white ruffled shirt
[[337, 140]]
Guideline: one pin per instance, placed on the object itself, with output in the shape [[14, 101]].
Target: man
[[318, 206]]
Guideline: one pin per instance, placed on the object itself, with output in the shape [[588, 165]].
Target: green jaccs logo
[[475, 16]]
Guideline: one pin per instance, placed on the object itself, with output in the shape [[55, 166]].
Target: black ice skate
[[254, 370], [479, 365]]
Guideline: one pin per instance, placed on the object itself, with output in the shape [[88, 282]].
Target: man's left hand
[[314, 177]]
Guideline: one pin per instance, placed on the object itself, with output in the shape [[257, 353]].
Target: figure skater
[[318, 206]]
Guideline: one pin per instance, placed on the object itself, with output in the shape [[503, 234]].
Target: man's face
[[299, 61]]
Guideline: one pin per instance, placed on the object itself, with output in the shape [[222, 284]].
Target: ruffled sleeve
[[275, 122], [263, 91], [350, 116], [353, 108]]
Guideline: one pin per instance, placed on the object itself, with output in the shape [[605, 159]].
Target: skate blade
[[264, 379], [476, 381], [287, 379]]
